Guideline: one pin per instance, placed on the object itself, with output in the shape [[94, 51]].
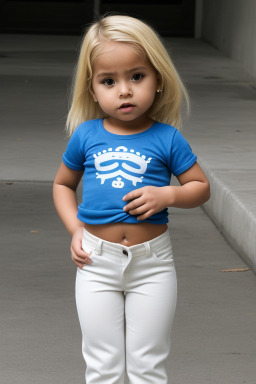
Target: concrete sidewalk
[[215, 322]]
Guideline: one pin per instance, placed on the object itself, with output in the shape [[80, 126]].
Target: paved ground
[[213, 335]]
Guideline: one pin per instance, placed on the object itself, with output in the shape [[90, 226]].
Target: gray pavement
[[213, 335]]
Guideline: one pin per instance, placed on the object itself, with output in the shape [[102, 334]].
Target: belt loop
[[98, 249], [147, 249]]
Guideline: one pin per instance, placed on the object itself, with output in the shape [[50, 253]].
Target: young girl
[[127, 97]]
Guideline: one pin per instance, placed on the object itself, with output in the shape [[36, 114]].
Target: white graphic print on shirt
[[120, 158]]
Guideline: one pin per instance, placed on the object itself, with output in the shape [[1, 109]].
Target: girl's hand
[[78, 255], [194, 190], [146, 201]]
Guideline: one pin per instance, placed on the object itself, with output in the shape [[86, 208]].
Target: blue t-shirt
[[114, 165]]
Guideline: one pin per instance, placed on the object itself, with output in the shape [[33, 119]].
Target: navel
[[125, 241]]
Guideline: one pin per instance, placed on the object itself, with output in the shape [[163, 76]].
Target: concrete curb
[[232, 218]]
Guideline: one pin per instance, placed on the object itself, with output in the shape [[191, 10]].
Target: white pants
[[126, 302]]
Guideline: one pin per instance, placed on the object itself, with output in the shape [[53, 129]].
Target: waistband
[[117, 249]]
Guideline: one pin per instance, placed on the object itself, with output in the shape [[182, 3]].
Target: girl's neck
[[127, 127]]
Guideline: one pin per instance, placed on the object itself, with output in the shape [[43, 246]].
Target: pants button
[[125, 252]]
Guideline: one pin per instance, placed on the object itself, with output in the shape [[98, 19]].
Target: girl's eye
[[137, 77], [108, 81]]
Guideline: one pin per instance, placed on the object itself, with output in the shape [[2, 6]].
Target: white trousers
[[126, 302]]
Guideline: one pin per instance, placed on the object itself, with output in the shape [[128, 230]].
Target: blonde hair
[[167, 104]]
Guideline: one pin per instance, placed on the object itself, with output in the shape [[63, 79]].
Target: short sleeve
[[73, 157], [182, 157]]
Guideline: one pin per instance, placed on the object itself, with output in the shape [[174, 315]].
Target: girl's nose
[[125, 90]]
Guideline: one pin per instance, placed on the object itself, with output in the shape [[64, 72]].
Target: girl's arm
[[193, 191], [65, 201]]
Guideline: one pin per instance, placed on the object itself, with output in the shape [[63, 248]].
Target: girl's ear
[[93, 95], [159, 83]]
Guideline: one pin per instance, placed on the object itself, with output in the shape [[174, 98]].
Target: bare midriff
[[126, 234]]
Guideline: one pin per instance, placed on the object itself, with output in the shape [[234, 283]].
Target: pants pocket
[[163, 256], [87, 247]]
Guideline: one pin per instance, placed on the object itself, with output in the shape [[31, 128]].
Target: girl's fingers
[[134, 204], [80, 264], [81, 258], [78, 250], [133, 194], [145, 215], [138, 211], [78, 255]]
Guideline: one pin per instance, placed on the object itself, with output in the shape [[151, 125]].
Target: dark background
[[170, 17]]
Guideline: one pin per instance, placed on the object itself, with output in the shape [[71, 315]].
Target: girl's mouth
[[126, 107]]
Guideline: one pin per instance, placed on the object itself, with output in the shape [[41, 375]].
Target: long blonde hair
[[167, 104]]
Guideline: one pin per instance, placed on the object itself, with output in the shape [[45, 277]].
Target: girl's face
[[124, 84]]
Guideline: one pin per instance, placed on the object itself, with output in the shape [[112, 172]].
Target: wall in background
[[230, 25], [169, 17]]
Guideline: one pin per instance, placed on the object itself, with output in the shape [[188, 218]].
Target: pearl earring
[[159, 90]]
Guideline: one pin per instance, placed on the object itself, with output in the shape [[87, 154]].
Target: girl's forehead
[[108, 46], [113, 53]]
